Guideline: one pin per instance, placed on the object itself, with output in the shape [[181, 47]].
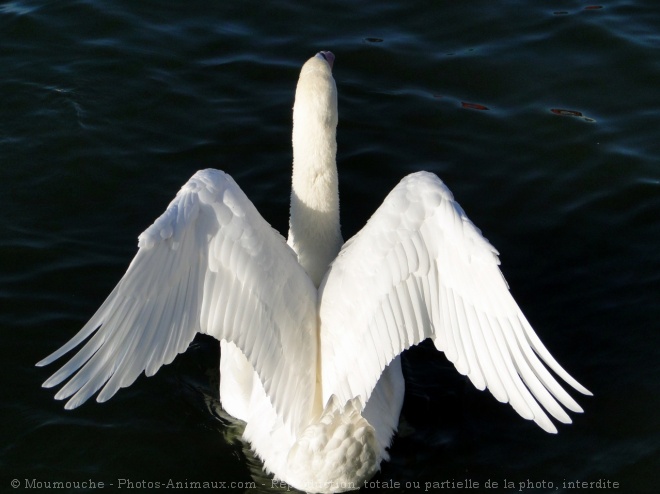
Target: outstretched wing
[[421, 269], [209, 264]]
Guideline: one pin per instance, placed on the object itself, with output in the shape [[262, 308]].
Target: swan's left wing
[[209, 264], [420, 269]]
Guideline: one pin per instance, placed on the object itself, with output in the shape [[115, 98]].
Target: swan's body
[[311, 331]]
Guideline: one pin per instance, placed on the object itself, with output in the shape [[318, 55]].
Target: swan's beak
[[328, 56]]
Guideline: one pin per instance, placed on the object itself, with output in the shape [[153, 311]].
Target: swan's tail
[[335, 453]]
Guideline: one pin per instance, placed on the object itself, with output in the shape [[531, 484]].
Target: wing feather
[[209, 264], [419, 269]]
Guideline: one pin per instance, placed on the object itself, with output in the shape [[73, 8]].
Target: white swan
[[311, 332]]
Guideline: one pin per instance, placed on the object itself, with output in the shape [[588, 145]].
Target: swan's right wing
[[209, 264], [421, 269]]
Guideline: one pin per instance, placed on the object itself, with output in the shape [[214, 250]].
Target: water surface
[[543, 119]]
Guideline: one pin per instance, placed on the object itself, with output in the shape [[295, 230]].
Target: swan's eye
[[323, 55]]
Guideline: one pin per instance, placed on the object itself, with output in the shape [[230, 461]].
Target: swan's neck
[[314, 231]]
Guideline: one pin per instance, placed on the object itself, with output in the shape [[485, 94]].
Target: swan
[[311, 328]]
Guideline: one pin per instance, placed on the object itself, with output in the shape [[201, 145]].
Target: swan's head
[[328, 56], [316, 94], [321, 61]]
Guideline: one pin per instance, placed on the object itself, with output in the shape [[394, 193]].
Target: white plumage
[[311, 330]]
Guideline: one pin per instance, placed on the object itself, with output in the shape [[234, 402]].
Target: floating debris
[[588, 7], [571, 113], [474, 106], [566, 113]]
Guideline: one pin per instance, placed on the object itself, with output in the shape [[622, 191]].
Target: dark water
[[543, 118]]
